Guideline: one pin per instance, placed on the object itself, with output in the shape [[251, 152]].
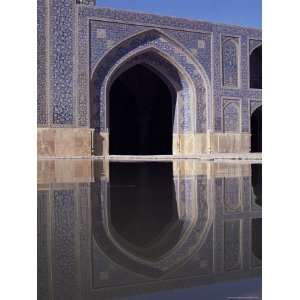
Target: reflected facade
[[128, 229]]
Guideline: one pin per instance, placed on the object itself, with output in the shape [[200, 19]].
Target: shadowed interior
[[257, 238], [256, 68], [256, 180], [140, 114], [256, 130], [143, 207]]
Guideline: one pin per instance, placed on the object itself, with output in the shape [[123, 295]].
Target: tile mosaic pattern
[[42, 37], [153, 41], [231, 116], [243, 92], [230, 49], [86, 2], [64, 218], [74, 54], [232, 245], [232, 199], [61, 60]]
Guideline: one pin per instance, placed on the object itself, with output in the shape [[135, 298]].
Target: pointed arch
[[256, 129], [186, 73], [196, 223], [255, 62]]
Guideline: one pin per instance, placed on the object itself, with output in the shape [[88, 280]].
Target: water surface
[[149, 230]]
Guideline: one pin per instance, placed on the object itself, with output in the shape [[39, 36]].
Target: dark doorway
[[256, 130], [256, 68], [257, 238], [143, 207], [256, 179], [140, 114]]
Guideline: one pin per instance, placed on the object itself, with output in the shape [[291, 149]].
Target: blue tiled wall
[[75, 38]]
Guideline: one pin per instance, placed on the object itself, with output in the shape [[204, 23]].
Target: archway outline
[[259, 45], [136, 59], [256, 109], [198, 227], [198, 107], [238, 59]]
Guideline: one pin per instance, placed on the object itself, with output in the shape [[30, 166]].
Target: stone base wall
[[64, 171], [85, 142], [64, 142], [230, 142], [192, 167]]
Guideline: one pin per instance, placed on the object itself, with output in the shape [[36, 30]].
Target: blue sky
[[237, 12]]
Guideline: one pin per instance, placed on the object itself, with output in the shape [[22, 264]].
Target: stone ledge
[[86, 142]]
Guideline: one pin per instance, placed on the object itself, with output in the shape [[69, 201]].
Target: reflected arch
[[173, 241]]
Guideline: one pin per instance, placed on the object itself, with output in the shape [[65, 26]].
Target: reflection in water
[[257, 182], [257, 237], [127, 229], [143, 206]]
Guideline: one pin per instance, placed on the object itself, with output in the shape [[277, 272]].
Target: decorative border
[[237, 41]]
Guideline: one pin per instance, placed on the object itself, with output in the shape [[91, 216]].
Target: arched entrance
[[256, 130], [256, 68], [165, 73], [141, 113]]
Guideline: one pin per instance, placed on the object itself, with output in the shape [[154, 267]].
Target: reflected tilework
[[43, 269], [246, 194], [232, 199], [209, 251], [64, 252], [232, 245]]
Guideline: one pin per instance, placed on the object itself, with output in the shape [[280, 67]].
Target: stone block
[[64, 142], [65, 171], [230, 143], [46, 142]]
